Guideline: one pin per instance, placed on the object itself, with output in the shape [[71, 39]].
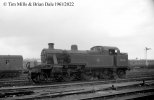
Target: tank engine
[[100, 62]]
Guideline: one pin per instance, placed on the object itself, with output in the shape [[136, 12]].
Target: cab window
[[111, 51]]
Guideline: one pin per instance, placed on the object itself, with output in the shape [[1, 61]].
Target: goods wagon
[[100, 62], [10, 65], [141, 63]]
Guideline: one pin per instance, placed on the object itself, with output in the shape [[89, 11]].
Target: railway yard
[[76, 50], [138, 84], [103, 72]]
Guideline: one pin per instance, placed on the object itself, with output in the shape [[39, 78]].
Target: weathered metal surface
[[82, 63], [11, 62]]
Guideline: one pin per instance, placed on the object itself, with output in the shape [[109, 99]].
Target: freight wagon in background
[[141, 63], [10, 65]]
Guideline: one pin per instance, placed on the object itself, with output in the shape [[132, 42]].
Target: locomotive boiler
[[100, 62]]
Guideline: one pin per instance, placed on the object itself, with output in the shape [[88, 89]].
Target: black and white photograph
[[76, 49]]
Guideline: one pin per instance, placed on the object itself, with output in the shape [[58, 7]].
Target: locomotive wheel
[[35, 78], [69, 78], [39, 78], [107, 74], [58, 77], [1, 75], [101, 75], [43, 77], [86, 76], [121, 73]]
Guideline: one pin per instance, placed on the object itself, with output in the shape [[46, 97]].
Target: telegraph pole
[[146, 54]]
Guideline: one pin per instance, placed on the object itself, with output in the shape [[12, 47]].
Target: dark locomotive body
[[10, 66], [100, 62]]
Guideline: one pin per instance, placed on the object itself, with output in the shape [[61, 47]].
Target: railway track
[[23, 80], [64, 91], [17, 81]]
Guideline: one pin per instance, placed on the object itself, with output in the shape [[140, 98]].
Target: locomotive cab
[[114, 62], [106, 50], [119, 59]]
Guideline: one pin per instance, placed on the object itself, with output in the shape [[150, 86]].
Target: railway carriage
[[100, 62], [10, 65]]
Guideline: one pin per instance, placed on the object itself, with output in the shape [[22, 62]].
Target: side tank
[[97, 56]]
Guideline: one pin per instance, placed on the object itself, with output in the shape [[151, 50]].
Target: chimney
[[74, 47], [51, 45]]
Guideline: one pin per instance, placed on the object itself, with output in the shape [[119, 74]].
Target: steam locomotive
[[100, 62]]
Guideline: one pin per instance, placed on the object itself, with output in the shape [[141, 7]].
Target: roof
[[11, 56], [105, 47]]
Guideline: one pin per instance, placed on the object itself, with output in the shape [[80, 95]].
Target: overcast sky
[[126, 24]]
